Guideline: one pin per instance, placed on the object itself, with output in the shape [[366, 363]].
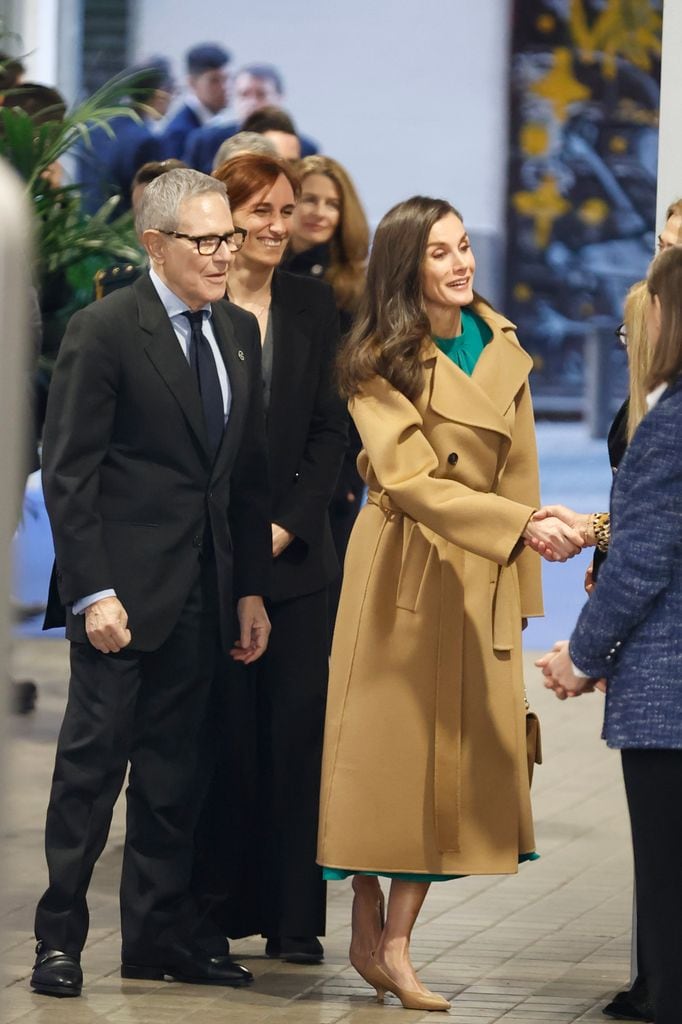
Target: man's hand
[[254, 630], [557, 669], [106, 625], [552, 538], [281, 539]]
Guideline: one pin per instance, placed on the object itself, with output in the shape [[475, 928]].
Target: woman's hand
[[552, 538], [281, 539], [590, 582], [579, 521], [559, 673]]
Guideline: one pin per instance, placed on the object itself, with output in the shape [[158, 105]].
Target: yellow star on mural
[[543, 206], [559, 86], [626, 29]]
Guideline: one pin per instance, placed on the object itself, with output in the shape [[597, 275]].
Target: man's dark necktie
[[203, 363]]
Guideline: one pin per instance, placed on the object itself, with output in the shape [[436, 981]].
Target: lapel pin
[[240, 355]]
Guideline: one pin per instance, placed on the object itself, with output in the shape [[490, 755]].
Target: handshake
[[558, 533], [561, 675]]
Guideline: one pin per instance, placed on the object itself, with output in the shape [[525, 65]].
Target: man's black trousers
[[142, 709]]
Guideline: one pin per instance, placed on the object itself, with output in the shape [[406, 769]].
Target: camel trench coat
[[425, 766]]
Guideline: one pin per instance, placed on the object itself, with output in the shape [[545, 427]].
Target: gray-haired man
[[155, 481]]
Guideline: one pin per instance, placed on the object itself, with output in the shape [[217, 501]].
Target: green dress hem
[[339, 874]]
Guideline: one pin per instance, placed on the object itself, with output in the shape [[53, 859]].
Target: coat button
[[453, 458], [196, 541]]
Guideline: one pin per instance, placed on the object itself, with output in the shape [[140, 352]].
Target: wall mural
[[585, 81]]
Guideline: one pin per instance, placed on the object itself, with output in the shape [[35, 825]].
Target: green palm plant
[[70, 245], [65, 235]]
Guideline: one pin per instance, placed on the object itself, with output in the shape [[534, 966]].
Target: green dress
[[464, 351]]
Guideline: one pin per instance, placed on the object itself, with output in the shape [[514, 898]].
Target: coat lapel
[[290, 349], [165, 353], [482, 399]]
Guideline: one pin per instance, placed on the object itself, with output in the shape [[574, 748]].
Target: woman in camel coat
[[425, 772]]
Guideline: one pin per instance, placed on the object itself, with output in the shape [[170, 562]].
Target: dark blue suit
[[179, 127], [630, 632], [203, 144], [108, 166]]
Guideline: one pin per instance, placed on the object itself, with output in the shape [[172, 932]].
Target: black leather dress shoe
[[631, 1005], [189, 964], [56, 973], [305, 949]]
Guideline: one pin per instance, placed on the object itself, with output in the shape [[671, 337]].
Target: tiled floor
[[551, 944]]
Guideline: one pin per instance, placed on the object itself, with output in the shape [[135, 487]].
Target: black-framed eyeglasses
[[622, 334], [208, 245]]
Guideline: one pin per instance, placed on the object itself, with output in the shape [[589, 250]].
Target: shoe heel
[[140, 972], [381, 992]]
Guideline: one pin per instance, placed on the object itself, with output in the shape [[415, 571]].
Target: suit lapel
[[164, 350], [290, 349], [237, 373]]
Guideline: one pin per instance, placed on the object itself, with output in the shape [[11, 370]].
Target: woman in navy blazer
[[629, 636]]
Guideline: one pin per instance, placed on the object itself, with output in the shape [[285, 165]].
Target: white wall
[[670, 136], [410, 95]]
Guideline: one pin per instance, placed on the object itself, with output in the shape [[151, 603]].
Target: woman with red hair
[[274, 885]]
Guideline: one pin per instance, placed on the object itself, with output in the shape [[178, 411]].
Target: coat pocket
[[416, 552]]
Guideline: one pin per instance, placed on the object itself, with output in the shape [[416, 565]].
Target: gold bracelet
[[601, 526]]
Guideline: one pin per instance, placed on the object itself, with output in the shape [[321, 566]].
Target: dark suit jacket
[[629, 630], [178, 129], [203, 143], [108, 165], [306, 429], [129, 484]]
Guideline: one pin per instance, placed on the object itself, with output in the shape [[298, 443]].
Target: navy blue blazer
[[108, 165], [630, 631], [203, 144], [176, 132]]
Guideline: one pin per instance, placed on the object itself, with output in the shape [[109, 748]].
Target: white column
[[670, 135]]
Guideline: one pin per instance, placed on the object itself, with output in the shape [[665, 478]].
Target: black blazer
[[306, 429], [617, 443], [129, 485]]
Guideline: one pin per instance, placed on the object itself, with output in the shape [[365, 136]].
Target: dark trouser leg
[[292, 690], [653, 782], [162, 809], [90, 765]]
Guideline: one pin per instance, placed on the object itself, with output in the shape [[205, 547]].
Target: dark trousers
[[142, 709], [653, 783], [255, 865]]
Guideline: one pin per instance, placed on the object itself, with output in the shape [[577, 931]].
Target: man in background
[[208, 93], [256, 86]]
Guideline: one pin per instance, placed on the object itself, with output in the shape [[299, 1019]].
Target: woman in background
[[425, 773], [330, 240]]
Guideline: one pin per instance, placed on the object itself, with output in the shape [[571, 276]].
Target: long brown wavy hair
[[392, 324], [350, 241]]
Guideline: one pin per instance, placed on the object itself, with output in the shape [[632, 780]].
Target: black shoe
[[56, 973], [631, 1005], [189, 964], [305, 949]]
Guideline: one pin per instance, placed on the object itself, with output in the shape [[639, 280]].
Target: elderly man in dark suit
[[155, 478]]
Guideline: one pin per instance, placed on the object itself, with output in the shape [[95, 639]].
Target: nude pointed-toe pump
[[382, 981]]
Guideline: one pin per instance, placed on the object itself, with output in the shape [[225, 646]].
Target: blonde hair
[[350, 242], [639, 352], [674, 210], [664, 282]]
